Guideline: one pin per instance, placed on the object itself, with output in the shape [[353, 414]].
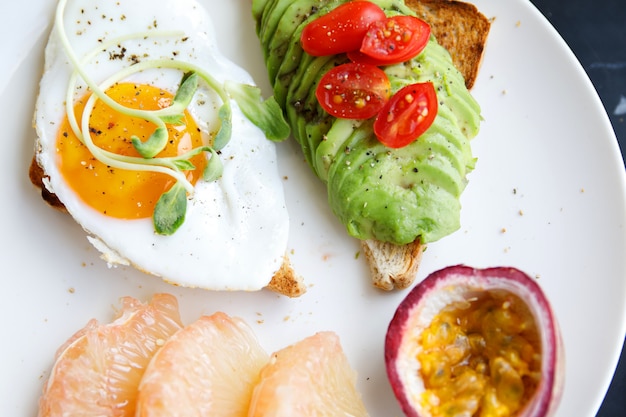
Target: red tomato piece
[[353, 91], [392, 40], [340, 30], [407, 115]]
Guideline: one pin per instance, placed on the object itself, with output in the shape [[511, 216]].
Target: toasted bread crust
[[286, 282], [37, 175], [392, 266], [460, 28]]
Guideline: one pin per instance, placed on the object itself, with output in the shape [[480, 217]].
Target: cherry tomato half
[[353, 91], [407, 115], [392, 40], [340, 30]]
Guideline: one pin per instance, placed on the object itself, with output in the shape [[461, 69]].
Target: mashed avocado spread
[[392, 195]]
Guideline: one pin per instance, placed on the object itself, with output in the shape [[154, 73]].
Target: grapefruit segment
[[208, 368], [97, 371], [309, 378]]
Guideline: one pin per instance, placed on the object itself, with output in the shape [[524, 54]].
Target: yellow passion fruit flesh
[[471, 342]]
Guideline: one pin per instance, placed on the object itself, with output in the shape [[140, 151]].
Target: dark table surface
[[595, 30]]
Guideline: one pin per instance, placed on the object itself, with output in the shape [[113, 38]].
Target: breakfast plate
[[548, 196]]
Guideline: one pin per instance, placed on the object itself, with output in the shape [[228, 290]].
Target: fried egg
[[235, 230]]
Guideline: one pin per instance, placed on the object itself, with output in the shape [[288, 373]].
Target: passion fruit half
[[475, 342]]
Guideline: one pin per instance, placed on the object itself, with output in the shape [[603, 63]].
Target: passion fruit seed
[[480, 354]]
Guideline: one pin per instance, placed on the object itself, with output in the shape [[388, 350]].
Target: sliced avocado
[[258, 7], [393, 195], [271, 19]]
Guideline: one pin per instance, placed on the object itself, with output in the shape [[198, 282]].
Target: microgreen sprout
[[266, 114], [157, 141], [169, 213]]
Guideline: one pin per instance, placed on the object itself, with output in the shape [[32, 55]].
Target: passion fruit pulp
[[475, 342]]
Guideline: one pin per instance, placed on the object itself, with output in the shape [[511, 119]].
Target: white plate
[[547, 196]]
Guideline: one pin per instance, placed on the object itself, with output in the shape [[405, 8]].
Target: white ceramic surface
[[548, 196]]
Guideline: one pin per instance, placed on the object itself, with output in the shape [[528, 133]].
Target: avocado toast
[[395, 200]]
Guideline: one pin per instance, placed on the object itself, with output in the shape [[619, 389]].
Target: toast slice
[[285, 281], [463, 31], [392, 266]]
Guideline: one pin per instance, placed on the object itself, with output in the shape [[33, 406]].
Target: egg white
[[234, 236]]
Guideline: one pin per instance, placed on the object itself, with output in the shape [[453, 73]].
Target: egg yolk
[[121, 193], [481, 358]]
